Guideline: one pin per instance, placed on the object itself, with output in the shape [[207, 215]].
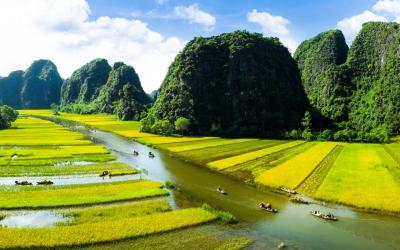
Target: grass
[[363, 175], [105, 231], [19, 197], [207, 144], [38, 170], [292, 172], [240, 159], [224, 216], [203, 156], [202, 237], [124, 211]]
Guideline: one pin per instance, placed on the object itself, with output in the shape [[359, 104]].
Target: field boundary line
[[337, 147]]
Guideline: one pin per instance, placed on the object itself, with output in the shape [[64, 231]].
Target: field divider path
[[292, 172], [311, 183], [242, 158]]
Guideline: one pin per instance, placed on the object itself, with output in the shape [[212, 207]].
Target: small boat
[[221, 191], [23, 183], [135, 153], [151, 155], [105, 173], [45, 182], [287, 190], [299, 200], [328, 216], [267, 207]]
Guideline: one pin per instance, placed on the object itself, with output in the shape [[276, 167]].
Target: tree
[[7, 116], [55, 108], [306, 122], [182, 124]]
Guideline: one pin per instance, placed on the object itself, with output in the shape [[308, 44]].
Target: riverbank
[[358, 175]]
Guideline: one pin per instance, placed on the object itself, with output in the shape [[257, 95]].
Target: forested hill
[[85, 83], [37, 87], [359, 90], [237, 83], [97, 87]]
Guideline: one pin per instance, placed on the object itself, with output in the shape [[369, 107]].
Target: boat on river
[[221, 191], [299, 200], [288, 190], [45, 182], [328, 216], [23, 183], [151, 155], [268, 207]]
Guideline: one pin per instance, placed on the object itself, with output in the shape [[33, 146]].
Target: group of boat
[[28, 183], [328, 216], [136, 153]]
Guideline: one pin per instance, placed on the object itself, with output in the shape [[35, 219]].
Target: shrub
[[222, 215], [169, 184]]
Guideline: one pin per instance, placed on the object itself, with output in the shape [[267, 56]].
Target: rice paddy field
[[118, 215], [354, 174]]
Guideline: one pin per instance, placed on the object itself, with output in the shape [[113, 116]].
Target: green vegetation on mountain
[[237, 83], [374, 64], [84, 84], [123, 94], [41, 86], [10, 88], [98, 88], [319, 61], [360, 94], [37, 87]]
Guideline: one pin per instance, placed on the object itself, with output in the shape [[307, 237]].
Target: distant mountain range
[[240, 83]]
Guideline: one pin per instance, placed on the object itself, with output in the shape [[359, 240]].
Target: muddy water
[[292, 225]]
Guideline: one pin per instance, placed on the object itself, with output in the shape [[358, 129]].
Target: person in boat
[[266, 206], [219, 189]]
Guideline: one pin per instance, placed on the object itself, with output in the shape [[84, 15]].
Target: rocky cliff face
[[123, 94], [84, 84], [236, 83], [37, 87], [319, 61]]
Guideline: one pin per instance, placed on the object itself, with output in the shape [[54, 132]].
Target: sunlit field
[[73, 195], [36, 147], [114, 214], [338, 172]]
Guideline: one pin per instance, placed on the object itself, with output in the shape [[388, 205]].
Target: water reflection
[[32, 219]]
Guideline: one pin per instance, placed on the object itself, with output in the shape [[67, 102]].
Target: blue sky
[[149, 34], [307, 17]]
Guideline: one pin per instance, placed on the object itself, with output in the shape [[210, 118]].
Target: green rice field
[[119, 214], [339, 172]]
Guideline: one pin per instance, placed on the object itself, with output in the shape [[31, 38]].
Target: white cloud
[[193, 14], [388, 6], [160, 2], [273, 26], [60, 30]]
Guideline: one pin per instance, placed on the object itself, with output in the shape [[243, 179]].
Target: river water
[[292, 225]]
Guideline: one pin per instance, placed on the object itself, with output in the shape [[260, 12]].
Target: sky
[[148, 34]]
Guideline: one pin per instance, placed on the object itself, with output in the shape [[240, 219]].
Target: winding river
[[292, 225]]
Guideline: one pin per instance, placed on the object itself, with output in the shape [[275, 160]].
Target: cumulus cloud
[[388, 6], [193, 14], [273, 26], [352, 25], [61, 30]]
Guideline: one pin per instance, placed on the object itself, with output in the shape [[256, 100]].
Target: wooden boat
[[267, 207], [105, 173], [151, 155], [324, 216], [299, 200], [287, 190], [135, 153], [221, 191], [23, 183], [45, 182]]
